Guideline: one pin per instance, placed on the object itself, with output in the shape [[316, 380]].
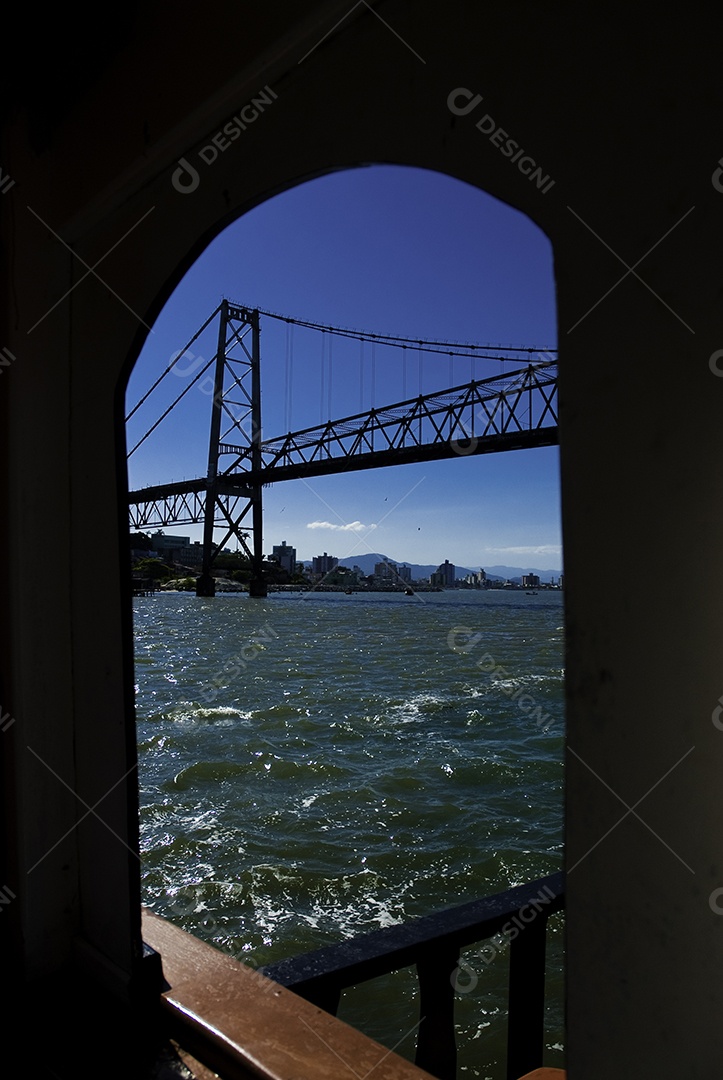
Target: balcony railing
[[433, 944]]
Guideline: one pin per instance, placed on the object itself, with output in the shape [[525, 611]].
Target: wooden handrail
[[245, 1023], [247, 1027]]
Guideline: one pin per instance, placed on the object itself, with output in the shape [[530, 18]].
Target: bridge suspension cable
[[462, 349], [172, 364], [452, 350], [173, 404]]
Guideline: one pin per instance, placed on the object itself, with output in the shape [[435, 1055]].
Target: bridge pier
[[205, 585], [258, 587]]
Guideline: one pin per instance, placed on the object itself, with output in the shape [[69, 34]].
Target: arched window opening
[[381, 736]]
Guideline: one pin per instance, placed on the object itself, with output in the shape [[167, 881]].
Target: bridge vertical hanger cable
[[286, 380], [288, 376], [419, 389], [329, 412], [374, 373], [321, 390], [404, 372], [291, 375], [361, 374]]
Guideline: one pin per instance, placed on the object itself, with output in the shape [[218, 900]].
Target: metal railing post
[[436, 1044], [526, 1005]]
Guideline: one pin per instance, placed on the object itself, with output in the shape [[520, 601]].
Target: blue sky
[[390, 250]]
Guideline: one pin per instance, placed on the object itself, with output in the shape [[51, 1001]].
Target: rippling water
[[314, 766]]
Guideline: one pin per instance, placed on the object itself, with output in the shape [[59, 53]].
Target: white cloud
[[542, 549], [353, 526]]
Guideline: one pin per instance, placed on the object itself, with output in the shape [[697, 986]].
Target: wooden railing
[[224, 1016], [433, 944]]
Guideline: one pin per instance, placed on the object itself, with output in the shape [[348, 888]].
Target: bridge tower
[[235, 435]]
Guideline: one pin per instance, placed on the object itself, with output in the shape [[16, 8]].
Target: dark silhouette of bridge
[[513, 411]]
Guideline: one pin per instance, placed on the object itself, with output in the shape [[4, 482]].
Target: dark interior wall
[[622, 111]]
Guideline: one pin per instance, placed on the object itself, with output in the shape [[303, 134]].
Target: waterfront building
[[322, 564], [193, 554], [170, 548], [390, 573], [341, 576], [285, 555], [163, 542], [477, 579], [443, 576]]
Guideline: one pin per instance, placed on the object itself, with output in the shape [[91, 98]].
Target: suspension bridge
[[512, 410]]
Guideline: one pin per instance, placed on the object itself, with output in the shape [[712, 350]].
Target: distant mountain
[[366, 563], [422, 571]]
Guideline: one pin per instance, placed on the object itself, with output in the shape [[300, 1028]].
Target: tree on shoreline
[[153, 569]]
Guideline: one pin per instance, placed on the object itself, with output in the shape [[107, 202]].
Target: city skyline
[[179, 545], [388, 250], [179, 551]]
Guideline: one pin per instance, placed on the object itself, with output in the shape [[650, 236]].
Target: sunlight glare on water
[[315, 766]]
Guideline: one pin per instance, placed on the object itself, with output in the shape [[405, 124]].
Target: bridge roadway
[[516, 411]]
